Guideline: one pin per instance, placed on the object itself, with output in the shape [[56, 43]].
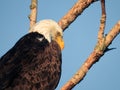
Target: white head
[[50, 29]]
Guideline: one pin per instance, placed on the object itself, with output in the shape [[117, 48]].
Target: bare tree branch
[[101, 38], [112, 34], [98, 52], [102, 21], [74, 12], [93, 58], [33, 14]]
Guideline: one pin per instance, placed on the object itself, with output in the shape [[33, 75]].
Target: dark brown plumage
[[32, 64]]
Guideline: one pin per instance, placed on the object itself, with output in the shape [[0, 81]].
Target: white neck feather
[[48, 28]]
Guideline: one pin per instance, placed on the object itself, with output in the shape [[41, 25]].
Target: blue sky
[[80, 38]]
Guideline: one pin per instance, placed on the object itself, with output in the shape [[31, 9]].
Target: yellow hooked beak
[[60, 41]]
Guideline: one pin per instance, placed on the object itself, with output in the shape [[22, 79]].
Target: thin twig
[[101, 38], [33, 14], [102, 21]]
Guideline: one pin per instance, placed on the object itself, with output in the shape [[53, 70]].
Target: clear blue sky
[[80, 38]]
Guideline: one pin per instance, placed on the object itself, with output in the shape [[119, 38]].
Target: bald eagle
[[34, 62]]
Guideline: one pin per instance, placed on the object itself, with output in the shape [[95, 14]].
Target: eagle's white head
[[51, 31]]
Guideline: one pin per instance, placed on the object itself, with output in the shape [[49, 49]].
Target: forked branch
[[102, 44]]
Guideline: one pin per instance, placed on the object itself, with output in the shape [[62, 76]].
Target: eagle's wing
[[26, 65]]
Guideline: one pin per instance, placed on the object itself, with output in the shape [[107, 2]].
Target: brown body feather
[[32, 64]]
